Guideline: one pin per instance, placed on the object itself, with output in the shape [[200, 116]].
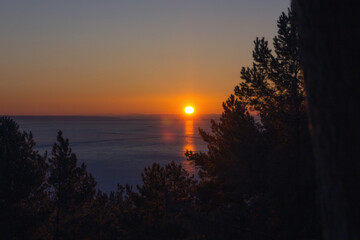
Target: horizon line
[[104, 115]]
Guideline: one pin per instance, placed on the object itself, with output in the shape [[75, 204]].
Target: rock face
[[330, 51]]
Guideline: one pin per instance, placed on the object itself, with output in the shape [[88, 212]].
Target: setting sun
[[189, 110]]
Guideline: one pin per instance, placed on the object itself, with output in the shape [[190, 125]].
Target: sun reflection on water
[[189, 144]]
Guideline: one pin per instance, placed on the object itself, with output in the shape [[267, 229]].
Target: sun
[[189, 110]]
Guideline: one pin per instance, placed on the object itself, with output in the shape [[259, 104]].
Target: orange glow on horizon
[[49, 103], [163, 63]]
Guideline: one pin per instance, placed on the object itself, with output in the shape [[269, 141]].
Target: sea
[[117, 149]]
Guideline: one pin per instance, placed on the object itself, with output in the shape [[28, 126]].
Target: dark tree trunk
[[330, 49]]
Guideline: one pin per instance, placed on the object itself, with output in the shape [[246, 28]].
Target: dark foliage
[[72, 191], [163, 207], [263, 170], [23, 200]]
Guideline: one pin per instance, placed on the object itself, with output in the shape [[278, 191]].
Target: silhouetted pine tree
[[73, 191], [274, 88], [23, 201], [264, 170], [164, 204]]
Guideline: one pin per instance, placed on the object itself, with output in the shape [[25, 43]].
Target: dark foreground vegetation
[[257, 179]]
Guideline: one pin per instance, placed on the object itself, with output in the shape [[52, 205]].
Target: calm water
[[116, 149]]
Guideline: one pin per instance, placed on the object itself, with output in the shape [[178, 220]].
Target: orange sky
[[121, 57]]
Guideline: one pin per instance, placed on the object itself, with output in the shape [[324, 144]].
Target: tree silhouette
[[274, 88], [264, 169], [23, 200], [164, 203], [73, 190]]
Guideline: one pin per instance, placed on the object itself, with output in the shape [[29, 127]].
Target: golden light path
[[189, 144], [189, 110]]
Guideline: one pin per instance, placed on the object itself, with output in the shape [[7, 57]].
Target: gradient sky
[[123, 57]]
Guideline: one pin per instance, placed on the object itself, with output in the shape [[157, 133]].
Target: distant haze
[[126, 57]]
